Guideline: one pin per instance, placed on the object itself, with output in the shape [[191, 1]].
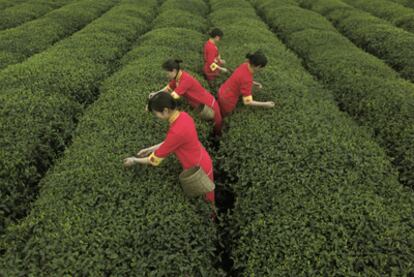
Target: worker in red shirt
[[181, 139], [240, 83], [182, 84], [212, 60]]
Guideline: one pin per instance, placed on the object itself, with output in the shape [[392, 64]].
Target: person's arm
[[146, 151], [253, 103], [170, 88], [258, 85], [158, 152], [223, 69], [181, 89], [214, 66], [213, 62], [142, 156], [168, 146], [246, 91], [167, 88], [211, 59], [133, 160], [221, 60], [217, 65]]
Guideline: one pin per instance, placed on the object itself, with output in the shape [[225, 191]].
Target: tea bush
[[95, 218], [315, 195], [397, 14], [71, 71], [373, 34], [364, 87], [28, 10], [19, 43]]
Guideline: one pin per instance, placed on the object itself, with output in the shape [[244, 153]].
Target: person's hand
[[222, 61], [270, 104], [258, 85], [128, 162], [223, 69], [144, 153], [152, 94]]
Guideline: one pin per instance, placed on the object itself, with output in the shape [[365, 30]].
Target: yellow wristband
[[154, 160], [247, 99], [213, 66]]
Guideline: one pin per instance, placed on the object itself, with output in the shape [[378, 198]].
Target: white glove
[[225, 70], [152, 94], [270, 104], [144, 153], [128, 162]]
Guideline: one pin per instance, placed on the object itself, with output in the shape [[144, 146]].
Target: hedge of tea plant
[[407, 3], [36, 119], [198, 7], [9, 3], [95, 218], [19, 43], [18, 14], [398, 15], [373, 34], [315, 195], [364, 86], [170, 14], [186, 19]]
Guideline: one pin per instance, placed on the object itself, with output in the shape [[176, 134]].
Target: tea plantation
[[320, 185]]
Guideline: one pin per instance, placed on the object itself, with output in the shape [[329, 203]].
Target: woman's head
[[171, 68], [162, 105], [257, 60], [216, 34]]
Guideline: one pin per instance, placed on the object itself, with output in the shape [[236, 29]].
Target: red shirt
[[187, 86], [239, 84], [182, 140], [211, 56]]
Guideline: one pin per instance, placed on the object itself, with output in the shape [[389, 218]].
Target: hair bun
[[248, 56]]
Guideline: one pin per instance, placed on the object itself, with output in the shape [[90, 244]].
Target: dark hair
[[257, 58], [216, 32], [160, 101], [170, 65]]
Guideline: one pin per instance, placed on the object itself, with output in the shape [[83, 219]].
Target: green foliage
[[70, 71], [95, 218], [35, 36], [314, 194], [375, 35], [365, 87], [184, 20], [30, 143], [407, 3], [9, 3], [396, 14], [18, 14], [195, 7]]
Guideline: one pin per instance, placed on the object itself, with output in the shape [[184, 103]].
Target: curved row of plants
[[397, 14], [9, 3], [407, 3], [315, 195], [42, 98], [363, 86], [17, 44], [95, 218], [28, 10], [375, 35]]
